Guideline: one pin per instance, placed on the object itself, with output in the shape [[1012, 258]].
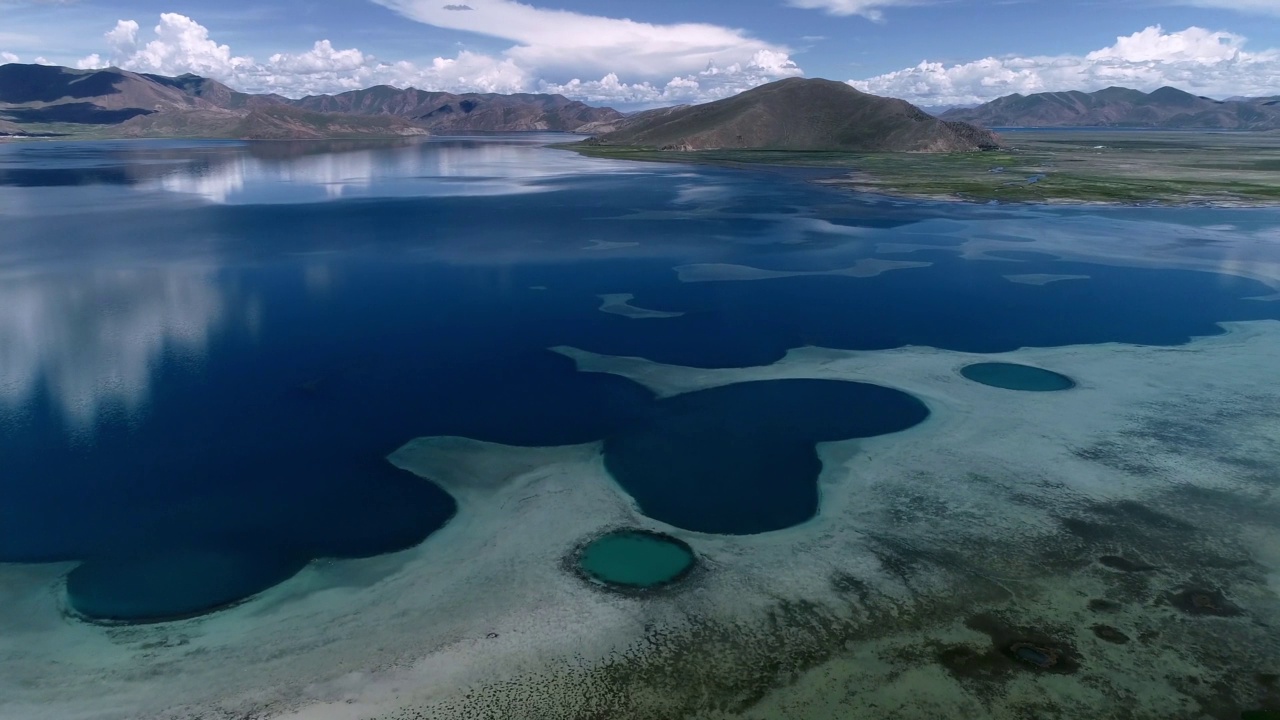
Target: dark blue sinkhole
[[173, 584], [1011, 376], [742, 459]]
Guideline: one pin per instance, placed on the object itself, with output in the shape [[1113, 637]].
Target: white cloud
[[711, 83], [181, 45], [321, 58], [562, 41], [1197, 60], [866, 8], [8, 57]]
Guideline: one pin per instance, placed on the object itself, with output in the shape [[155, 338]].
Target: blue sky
[[647, 52]]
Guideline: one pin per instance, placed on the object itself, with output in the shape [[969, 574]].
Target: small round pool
[[1017, 377], [635, 560]]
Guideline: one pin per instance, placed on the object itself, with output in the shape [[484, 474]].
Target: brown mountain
[[1121, 107], [799, 114], [216, 93], [271, 122], [445, 113], [192, 104], [48, 94]]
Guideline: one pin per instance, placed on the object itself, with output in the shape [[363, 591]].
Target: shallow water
[[207, 349], [635, 560]]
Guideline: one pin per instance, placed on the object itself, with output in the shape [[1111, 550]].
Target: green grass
[[1131, 167]]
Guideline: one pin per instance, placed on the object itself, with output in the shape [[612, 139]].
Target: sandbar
[[986, 520], [620, 304], [1042, 278], [725, 272]]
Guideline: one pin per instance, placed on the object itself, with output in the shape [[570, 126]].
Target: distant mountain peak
[[1166, 107], [802, 114], [51, 94]]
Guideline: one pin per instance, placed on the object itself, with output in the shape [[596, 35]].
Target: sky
[[643, 53]]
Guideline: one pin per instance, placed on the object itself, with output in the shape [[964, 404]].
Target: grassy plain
[[1107, 166]]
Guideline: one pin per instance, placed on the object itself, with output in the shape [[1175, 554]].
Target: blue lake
[[208, 349]]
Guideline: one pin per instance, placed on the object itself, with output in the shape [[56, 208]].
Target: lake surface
[[207, 349]]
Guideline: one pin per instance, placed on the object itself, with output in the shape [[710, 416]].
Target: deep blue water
[[743, 458], [208, 349]]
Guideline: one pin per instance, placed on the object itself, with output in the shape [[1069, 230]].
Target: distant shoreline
[[1093, 166]]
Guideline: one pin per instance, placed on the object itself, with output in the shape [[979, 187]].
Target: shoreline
[[1130, 174]]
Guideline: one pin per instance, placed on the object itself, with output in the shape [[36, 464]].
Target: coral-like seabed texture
[[953, 570]]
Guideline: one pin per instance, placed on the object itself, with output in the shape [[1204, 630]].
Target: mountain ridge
[[799, 114], [148, 105], [1164, 108]]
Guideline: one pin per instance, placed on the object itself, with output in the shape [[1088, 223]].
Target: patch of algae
[[919, 648], [934, 629], [706, 668]]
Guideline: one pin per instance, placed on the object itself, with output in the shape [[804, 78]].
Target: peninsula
[[887, 146]]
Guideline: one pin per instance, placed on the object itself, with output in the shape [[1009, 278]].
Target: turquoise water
[[634, 559], [207, 350], [1011, 376]]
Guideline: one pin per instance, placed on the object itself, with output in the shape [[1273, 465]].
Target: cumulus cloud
[[8, 57], [698, 63], [1205, 62], [867, 8], [182, 45], [563, 41], [712, 83], [321, 58]]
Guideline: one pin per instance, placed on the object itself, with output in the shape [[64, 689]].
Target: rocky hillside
[[799, 114], [446, 113], [137, 104], [1121, 107], [278, 122], [48, 94]]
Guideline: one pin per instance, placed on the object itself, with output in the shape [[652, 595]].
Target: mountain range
[[1166, 108], [35, 97], [799, 114]]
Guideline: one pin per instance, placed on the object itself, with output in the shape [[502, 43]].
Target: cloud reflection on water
[[115, 173], [92, 341]]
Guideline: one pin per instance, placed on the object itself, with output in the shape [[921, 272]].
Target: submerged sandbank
[[1042, 278], [978, 534], [724, 272], [620, 304]]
